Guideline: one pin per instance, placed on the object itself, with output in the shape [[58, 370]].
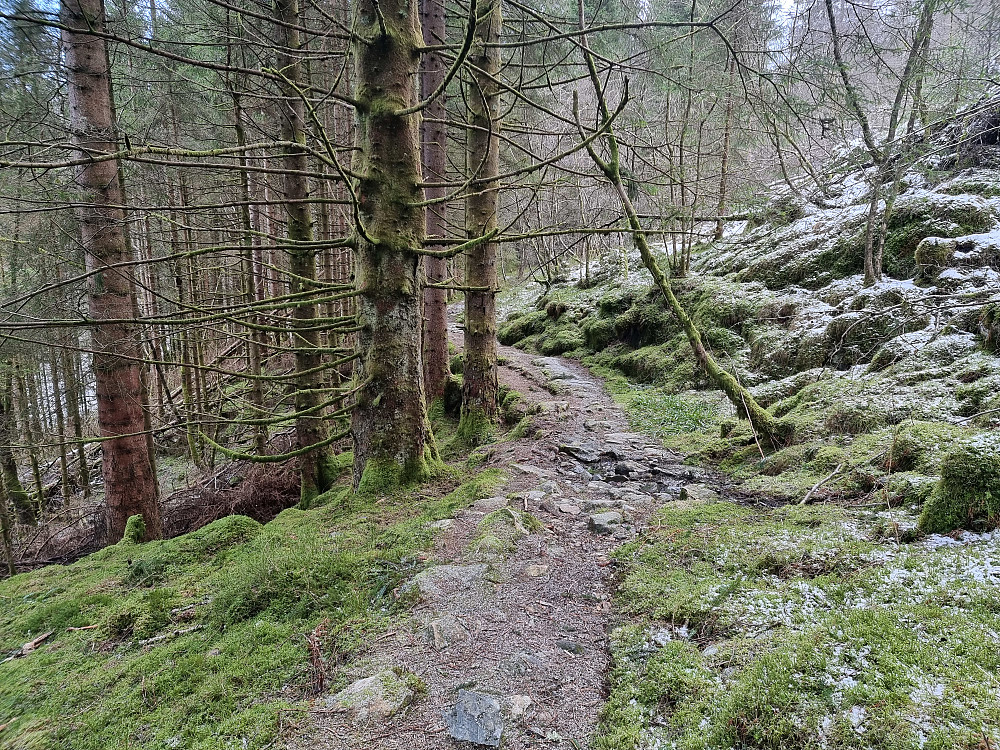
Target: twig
[[84, 627], [171, 634], [822, 481]]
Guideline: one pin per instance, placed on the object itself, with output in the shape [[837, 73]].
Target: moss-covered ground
[[851, 622], [804, 627], [201, 641]]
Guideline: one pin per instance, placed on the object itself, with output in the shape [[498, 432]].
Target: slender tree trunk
[[73, 406], [316, 470], [24, 508], [727, 139], [60, 430], [5, 534], [434, 135], [479, 370], [392, 440], [129, 480]]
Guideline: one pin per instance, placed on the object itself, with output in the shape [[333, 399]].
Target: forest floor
[[658, 605], [518, 607], [573, 585]]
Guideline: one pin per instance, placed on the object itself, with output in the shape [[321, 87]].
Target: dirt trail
[[526, 629]]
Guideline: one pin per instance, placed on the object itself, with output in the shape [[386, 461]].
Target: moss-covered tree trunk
[[130, 484], [315, 468], [392, 440], [764, 424], [434, 142], [479, 369]]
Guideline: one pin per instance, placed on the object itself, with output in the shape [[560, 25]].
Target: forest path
[[517, 639]]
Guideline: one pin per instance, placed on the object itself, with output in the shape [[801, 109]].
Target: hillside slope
[[878, 382]]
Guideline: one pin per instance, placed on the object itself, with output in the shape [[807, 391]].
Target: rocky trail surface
[[510, 639]]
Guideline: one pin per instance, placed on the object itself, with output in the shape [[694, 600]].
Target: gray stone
[[569, 508], [599, 503], [625, 468], [604, 523], [570, 646], [444, 523], [490, 504], [444, 631], [441, 580], [536, 571], [376, 697], [549, 506], [517, 705], [553, 407], [586, 453], [531, 470], [549, 487], [475, 718], [533, 495]]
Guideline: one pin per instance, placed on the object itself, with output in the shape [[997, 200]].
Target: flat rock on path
[[520, 642]]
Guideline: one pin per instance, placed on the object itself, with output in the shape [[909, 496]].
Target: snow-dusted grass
[[804, 628]]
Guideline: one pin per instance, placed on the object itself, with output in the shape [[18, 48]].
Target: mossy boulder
[[968, 494], [919, 446], [920, 215], [519, 327], [500, 530], [598, 332], [780, 211], [933, 255], [135, 530], [564, 338], [989, 327]]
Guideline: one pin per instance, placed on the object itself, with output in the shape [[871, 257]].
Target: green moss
[[914, 220], [240, 597], [525, 428], [598, 332], [788, 628], [135, 530], [561, 339], [989, 327], [475, 428], [383, 476], [920, 446], [521, 326], [513, 405], [500, 530], [968, 494], [451, 400]]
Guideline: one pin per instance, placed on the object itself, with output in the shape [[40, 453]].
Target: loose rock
[[604, 523], [570, 646], [475, 718], [444, 631], [376, 697], [535, 571]]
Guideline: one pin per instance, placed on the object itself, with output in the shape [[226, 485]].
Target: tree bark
[[479, 386], [129, 479], [25, 510], [434, 137], [392, 440], [315, 468]]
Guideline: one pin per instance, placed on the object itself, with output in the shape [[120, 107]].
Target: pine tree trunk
[[73, 406], [129, 481], [24, 508], [434, 137], [316, 469], [392, 440], [479, 387]]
